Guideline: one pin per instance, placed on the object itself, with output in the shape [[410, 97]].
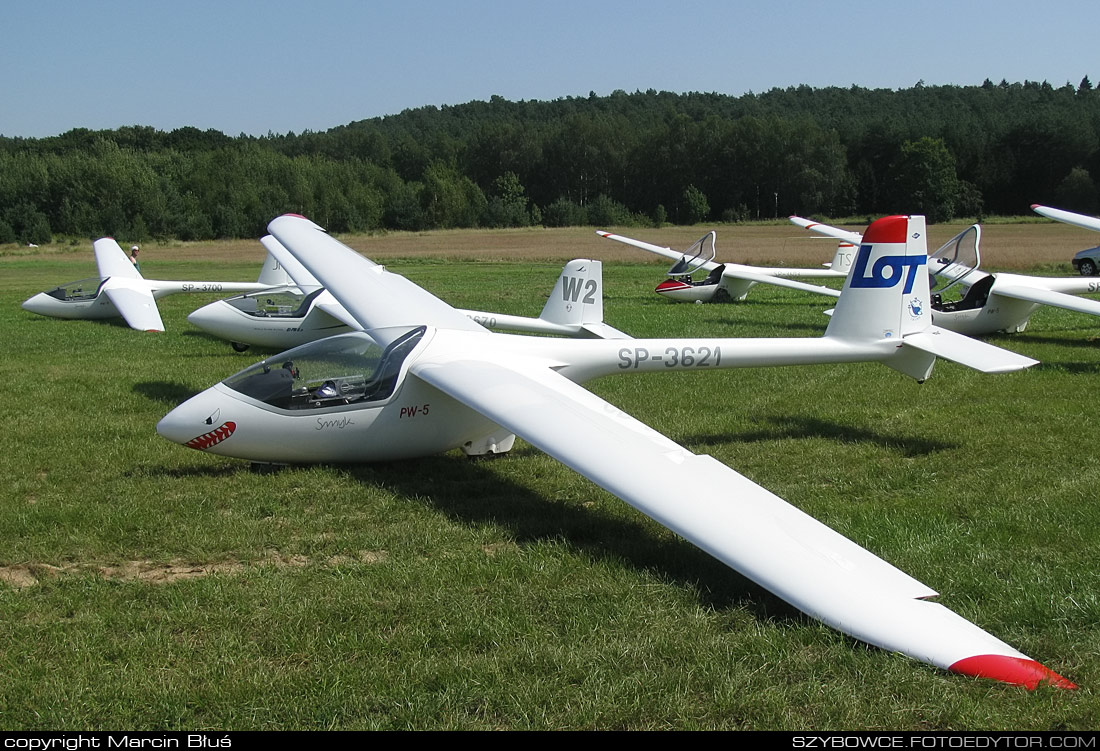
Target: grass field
[[147, 586]]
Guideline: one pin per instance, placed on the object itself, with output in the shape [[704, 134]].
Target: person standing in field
[[134, 257]]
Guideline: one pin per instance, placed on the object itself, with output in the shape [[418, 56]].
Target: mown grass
[[149, 586]]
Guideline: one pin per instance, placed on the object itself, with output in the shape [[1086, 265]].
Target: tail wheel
[[239, 346]]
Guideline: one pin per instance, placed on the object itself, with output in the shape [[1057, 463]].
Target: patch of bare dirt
[[25, 575]]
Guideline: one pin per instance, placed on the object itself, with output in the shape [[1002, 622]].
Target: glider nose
[[672, 285], [198, 422], [40, 304], [206, 318]]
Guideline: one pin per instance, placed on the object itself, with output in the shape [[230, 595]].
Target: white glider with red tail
[[984, 303], [728, 282], [423, 378], [121, 290]]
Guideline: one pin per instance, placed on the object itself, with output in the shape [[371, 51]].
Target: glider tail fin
[[886, 296], [886, 292], [272, 273], [577, 296], [842, 259], [577, 301]]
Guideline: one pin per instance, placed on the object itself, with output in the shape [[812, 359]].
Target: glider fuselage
[[87, 299], [997, 314], [342, 399]]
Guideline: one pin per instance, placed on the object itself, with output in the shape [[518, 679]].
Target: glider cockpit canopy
[[696, 257], [84, 289], [277, 302], [957, 260], [332, 372]]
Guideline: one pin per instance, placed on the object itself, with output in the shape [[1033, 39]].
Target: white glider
[[990, 302], [1087, 261], [726, 282], [423, 378], [120, 290], [288, 316]]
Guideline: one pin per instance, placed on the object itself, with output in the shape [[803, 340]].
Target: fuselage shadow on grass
[[192, 333], [1008, 340], [733, 325], [1081, 368], [790, 427], [165, 392]]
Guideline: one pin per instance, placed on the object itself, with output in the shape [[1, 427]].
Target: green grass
[[148, 586]]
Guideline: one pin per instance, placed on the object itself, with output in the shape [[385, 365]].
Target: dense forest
[[647, 157]]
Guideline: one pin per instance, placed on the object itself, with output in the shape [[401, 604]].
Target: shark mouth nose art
[[213, 438]]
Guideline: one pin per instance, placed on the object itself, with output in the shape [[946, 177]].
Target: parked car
[[1087, 262]]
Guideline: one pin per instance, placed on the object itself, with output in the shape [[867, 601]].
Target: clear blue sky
[[254, 67]]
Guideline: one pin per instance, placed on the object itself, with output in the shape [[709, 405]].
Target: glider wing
[[1069, 217], [748, 528], [112, 261], [136, 306]]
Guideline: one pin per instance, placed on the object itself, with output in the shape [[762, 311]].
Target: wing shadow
[[470, 493]]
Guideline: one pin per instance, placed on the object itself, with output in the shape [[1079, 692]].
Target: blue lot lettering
[[886, 271]]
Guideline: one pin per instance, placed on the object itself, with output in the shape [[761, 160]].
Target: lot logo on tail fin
[[887, 271]]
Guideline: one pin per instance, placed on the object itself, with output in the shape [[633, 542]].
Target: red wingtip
[[1036, 205], [1015, 670]]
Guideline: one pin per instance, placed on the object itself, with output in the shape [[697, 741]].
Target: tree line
[[646, 157]]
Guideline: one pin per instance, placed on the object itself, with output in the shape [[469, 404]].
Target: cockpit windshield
[[277, 302], [85, 289], [957, 260], [339, 370], [698, 255]]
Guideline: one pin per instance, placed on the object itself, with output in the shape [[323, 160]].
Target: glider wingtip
[[1018, 671]]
